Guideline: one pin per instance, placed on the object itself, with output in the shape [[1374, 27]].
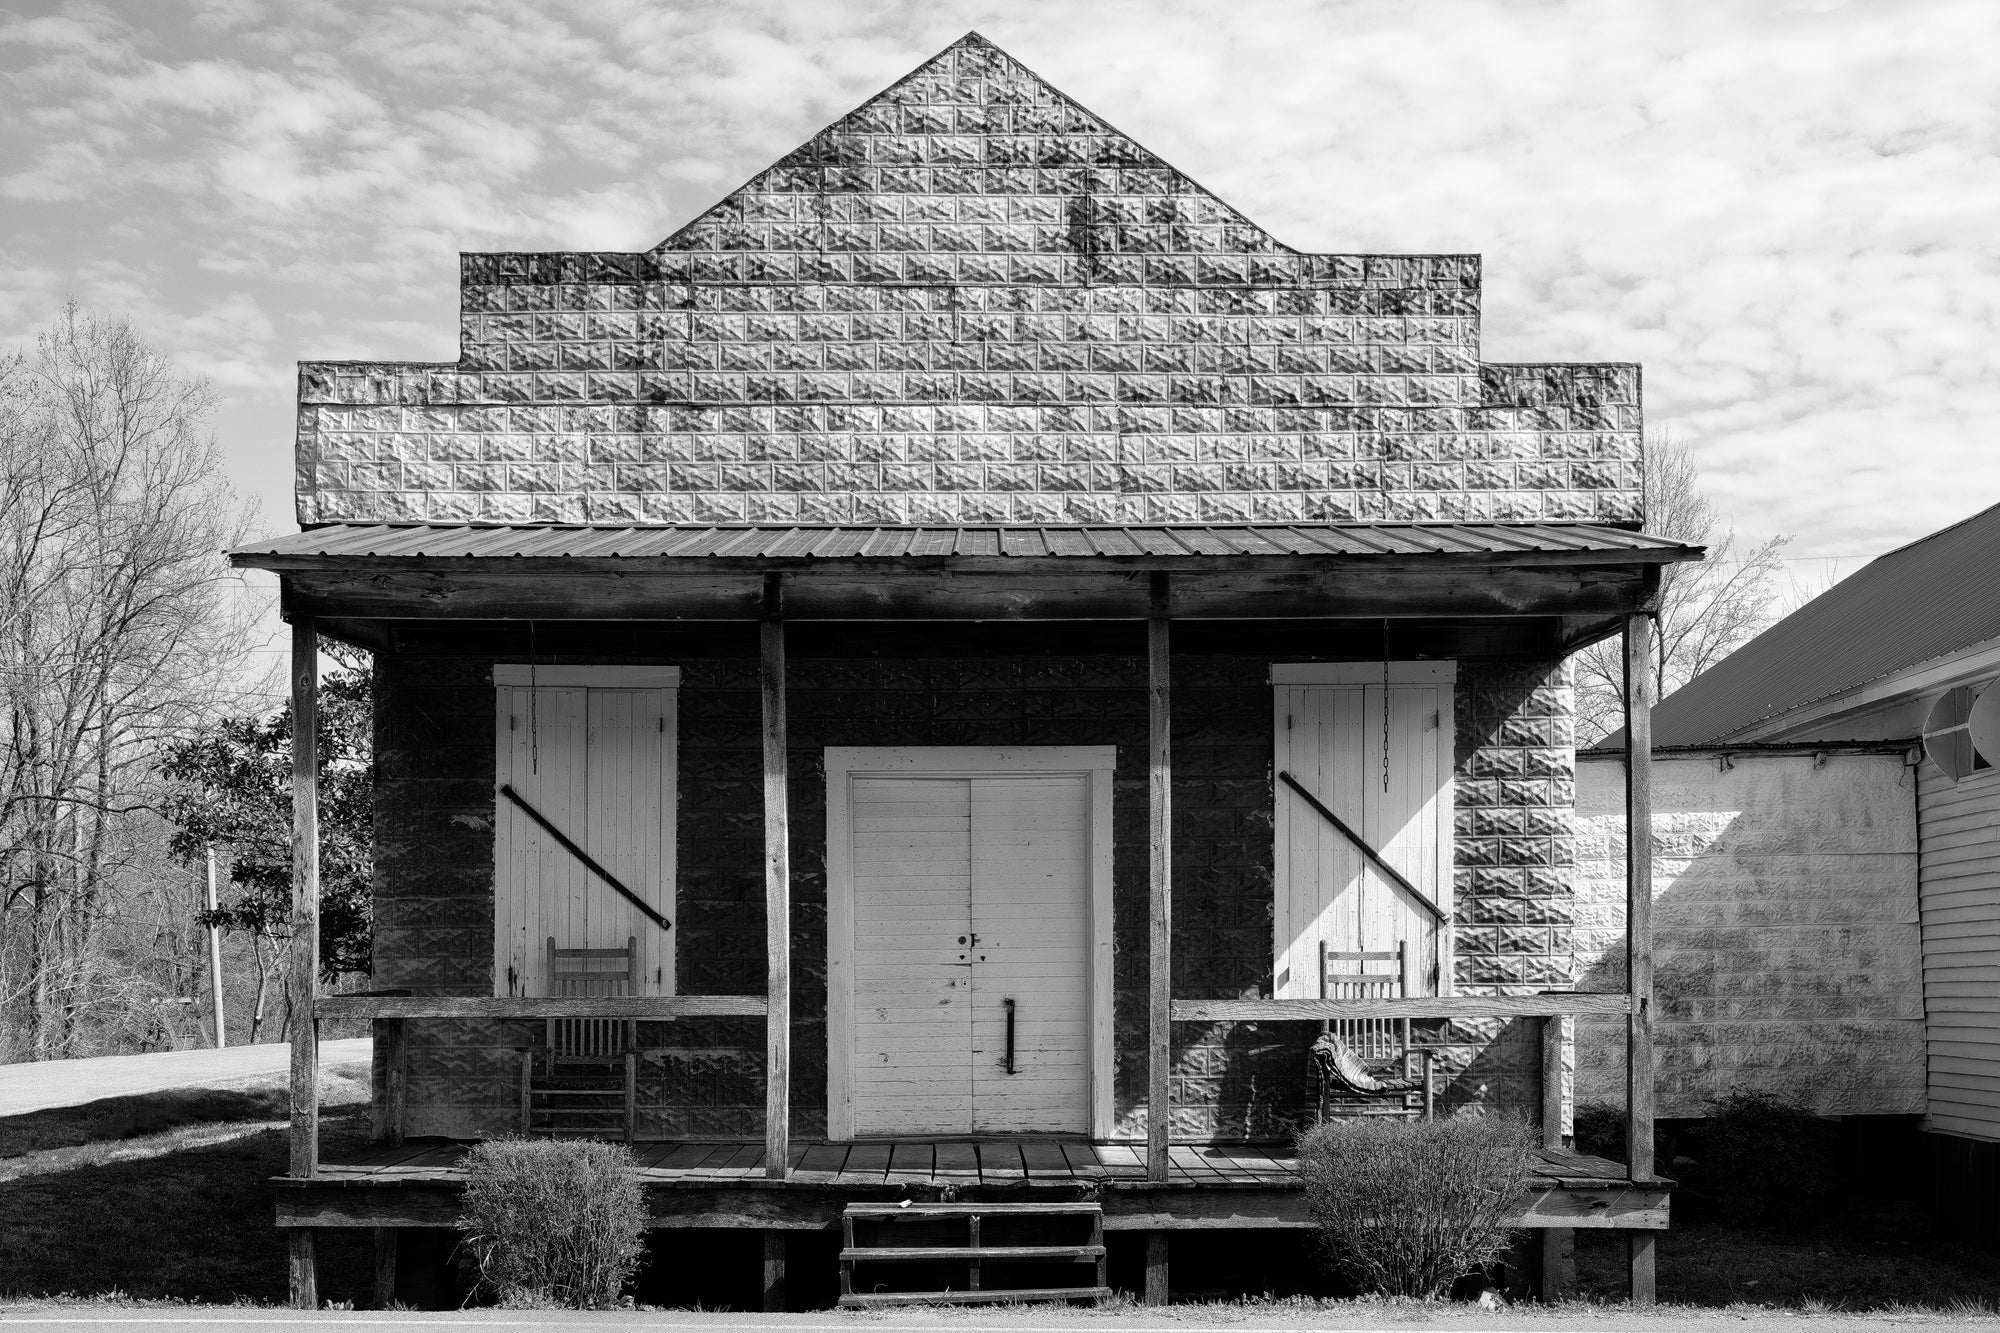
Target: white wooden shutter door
[[597, 764], [542, 735], [1333, 736], [629, 791]]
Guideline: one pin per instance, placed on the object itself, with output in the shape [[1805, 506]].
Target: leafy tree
[[1707, 610], [232, 789]]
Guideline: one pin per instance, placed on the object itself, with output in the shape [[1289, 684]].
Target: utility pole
[[215, 954]]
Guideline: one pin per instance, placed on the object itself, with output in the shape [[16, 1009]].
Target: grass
[[117, 1119], [114, 1119], [1872, 1259], [186, 1224], [142, 1200]]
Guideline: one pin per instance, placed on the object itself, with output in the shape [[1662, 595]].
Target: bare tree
[[1707, 610], [120, 623]]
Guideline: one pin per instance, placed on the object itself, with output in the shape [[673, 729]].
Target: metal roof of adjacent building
[[1935, 596], [798, 542]]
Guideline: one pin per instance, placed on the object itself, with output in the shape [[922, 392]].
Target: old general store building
[[986, 622]]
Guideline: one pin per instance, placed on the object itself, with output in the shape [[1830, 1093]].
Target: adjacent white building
[[1828, 861]]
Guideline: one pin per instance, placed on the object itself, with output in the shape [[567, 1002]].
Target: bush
[[1752, 1156], [1765, 1157], [553, 1222], [1598, 1130], [1405, 1208]]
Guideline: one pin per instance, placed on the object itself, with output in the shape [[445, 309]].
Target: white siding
[[1785, 940], [1960, 827]]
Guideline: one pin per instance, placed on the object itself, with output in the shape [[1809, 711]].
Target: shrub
[[1764, 1156], [1598, 1130], [1406, 1207], [552, 1222]]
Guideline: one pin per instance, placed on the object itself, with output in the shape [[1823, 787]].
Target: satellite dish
[[1948, 739], [1983, 723]]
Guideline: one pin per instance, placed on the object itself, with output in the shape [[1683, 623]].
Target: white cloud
[[1783, 210]]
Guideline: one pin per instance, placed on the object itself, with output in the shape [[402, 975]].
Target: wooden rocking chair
[[1345, 1060], [587, 1062]]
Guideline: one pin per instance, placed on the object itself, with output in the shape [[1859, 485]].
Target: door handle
[[1010, 1034]]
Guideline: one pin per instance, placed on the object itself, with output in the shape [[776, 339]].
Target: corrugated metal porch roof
[[793, 542]]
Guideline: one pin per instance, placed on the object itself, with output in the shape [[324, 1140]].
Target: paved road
[[1188, 1319], [39, 1085]]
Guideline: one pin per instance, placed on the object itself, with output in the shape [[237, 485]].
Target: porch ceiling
[[1578, 574]]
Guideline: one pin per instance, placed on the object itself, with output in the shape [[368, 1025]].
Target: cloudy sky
[[1786, 211]]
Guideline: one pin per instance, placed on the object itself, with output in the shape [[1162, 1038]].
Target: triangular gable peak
[[1010, 178], [968, 301]]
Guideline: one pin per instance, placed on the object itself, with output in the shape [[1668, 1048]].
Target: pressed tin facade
[[970, 300]]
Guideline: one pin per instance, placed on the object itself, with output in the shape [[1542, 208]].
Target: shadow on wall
[[1785, 937]]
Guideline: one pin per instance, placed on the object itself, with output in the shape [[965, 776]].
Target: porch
[[738, 1184], [726, 1184], [775, 618]]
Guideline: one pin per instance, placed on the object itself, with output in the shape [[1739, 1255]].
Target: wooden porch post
[[1159, 1288], [774, 1271], [1160, 916], [1558, 1244], [777, 891], [392, 1048], [386, 1241], [1639, 933], [305, 942]]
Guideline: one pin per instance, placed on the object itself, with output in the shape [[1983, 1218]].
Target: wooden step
[[971, 1252], [852, 1301], [605, 1123], [891, 1254]]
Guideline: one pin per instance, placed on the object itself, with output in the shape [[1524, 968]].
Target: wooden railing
[[1555, 1004], [1547, 1011], [390, 1012], [645, 1008]]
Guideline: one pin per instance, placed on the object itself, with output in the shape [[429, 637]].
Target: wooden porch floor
[[948, 1164]]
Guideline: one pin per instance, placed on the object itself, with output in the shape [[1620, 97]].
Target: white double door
[[969, 964]]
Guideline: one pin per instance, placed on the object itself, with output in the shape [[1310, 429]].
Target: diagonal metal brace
[[589, 862], [1374, 857]]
